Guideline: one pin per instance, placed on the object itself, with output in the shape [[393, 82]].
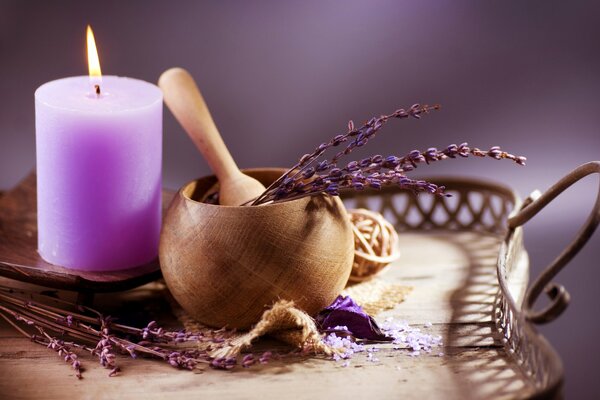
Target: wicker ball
[[375, 244]]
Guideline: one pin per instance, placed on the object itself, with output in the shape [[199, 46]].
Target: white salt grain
[[404, 337]]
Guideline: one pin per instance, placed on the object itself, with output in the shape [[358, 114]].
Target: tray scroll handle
[[559, 297]]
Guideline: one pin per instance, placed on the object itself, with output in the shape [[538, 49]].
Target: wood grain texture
[[20, 260], [182, 96], [226, 265], [453, 275]]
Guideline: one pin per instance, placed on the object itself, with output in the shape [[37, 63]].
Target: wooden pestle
[[185, 101]]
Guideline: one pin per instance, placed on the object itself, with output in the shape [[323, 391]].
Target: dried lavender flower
[[110, 338], [310, 176], [265, 357], [356, 138], [248, 360], [64, 351], [224, 363]]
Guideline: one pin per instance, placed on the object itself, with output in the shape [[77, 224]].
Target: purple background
[[280, 77]]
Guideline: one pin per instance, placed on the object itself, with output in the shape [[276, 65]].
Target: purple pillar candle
[[99, 160]]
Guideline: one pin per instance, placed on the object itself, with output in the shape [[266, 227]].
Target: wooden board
[[20, 260], [454, 280]]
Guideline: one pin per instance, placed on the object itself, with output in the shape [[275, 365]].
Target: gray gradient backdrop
[[282, 76]]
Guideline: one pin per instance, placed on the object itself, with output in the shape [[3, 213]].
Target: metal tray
[[465, 258], [493, 209]]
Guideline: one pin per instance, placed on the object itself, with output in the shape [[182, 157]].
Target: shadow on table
[[481, 362]]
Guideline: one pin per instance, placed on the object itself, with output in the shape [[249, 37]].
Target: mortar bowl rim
[[188, 190]]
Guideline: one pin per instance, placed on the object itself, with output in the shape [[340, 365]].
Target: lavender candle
[[99, 156]]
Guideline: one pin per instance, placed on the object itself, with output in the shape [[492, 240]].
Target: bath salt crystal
[[371, 358], [342, 328], [412, 338], [343, 348], [404, 337]]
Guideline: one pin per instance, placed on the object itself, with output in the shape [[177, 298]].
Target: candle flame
[[93, 60]]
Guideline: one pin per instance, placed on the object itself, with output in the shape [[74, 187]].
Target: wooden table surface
[[454, 280]]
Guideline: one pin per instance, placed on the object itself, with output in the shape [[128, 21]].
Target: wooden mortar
[[225, 265]]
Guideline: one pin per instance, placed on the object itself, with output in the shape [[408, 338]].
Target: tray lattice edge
[[481, 206]]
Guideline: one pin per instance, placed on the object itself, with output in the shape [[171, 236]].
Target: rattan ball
[[375, 244]]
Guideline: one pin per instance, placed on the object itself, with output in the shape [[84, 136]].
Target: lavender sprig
[[378, 171], [309, 177], [360, 137], [102, 337], [105, 346], [62, 348], [64, 351]]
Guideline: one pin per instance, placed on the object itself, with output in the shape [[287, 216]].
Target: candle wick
[[97, 88]]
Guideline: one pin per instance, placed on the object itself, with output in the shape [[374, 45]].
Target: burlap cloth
[[293, 326]]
